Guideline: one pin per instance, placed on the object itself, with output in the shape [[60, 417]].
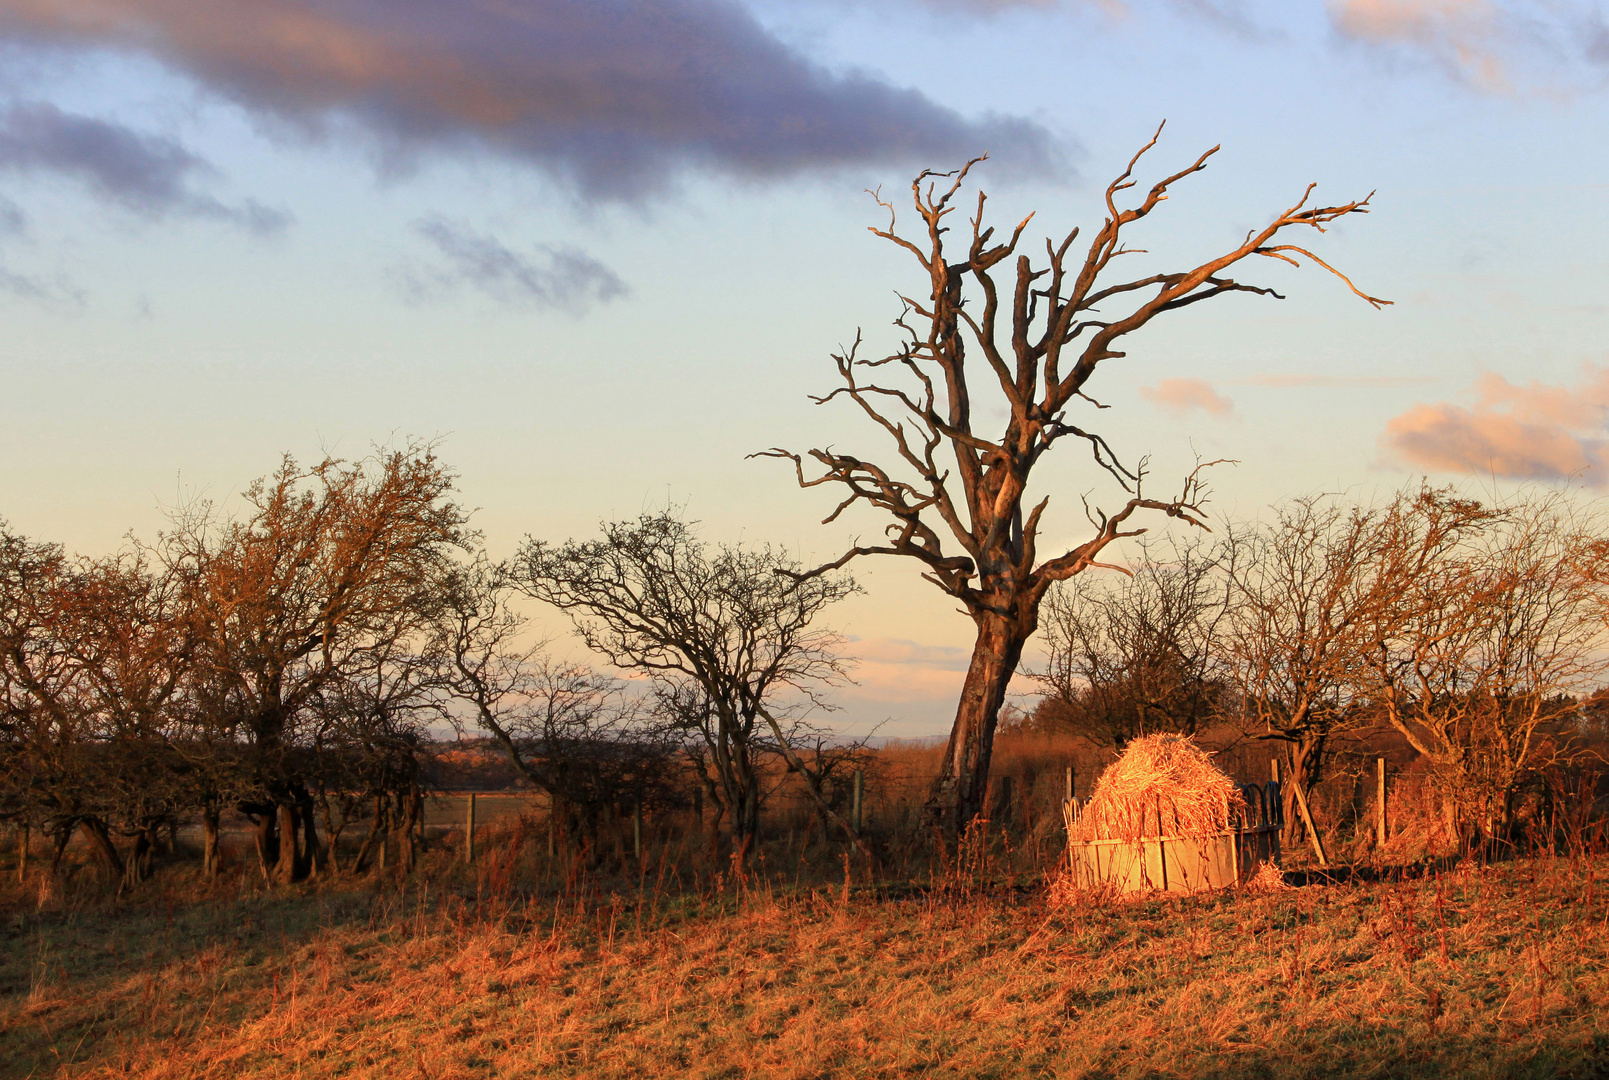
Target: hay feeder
[[1164, 818]]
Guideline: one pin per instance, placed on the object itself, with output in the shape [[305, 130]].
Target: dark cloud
[[18, 285], [562, 278], [149, 175], [61, 292], [612, 95], [13, 222]]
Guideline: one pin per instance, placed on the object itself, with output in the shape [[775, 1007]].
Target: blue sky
[[604, 249]]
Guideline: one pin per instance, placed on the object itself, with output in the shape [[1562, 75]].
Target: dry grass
[[1479, 971], [1163, 785]]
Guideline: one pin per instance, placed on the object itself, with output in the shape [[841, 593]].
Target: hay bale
[[1163, 785]]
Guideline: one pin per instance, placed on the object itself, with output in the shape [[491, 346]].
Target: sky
[[603, 249]]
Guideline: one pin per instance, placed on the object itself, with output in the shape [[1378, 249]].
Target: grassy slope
[[1482, 972]]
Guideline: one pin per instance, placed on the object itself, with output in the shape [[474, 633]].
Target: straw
[[1163, 785]]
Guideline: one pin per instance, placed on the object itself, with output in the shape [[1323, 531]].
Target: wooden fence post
[[857, 793], [469, 831], [1069, 792], [1381, 832], [553, 827]]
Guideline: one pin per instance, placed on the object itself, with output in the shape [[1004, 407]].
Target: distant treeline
[[291, 663]]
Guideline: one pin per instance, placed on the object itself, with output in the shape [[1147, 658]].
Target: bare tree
[[1139, 655], [1320, 589], [49, 771], [1040, 343], [94, 655], [1491, 647], [124, 625], [569, 730], [333, 566], [724, 635]]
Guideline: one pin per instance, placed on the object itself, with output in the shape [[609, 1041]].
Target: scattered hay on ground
[[1163, 785], [1268, 878]]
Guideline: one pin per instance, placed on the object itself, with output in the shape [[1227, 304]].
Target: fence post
[[1380, 800], [553, 827], [1274, 768], [1069, 793], [469, 831], [857, 793], [636, 832]]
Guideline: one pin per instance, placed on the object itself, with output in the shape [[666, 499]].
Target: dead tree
[[1040, 342]]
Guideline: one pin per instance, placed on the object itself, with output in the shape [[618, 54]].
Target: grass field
[[1498, 970]]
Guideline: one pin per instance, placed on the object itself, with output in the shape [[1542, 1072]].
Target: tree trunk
[[375, 839], [100, 842], [61, 835], [285, 868], [209, 842], [313, 856], [331, 841], [134, 870], [267, 841], [958, 792], [405, 829]]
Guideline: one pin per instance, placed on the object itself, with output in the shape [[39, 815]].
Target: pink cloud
[[1181, 395], [1532, 432], [1457, 33], [1496, 45], [1283, 381]]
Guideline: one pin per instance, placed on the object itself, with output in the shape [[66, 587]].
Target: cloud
[[1228, 15], [13, 222], [904, 652], [1531, 432], [62, 291], [1179, 396], [614, 96], [996, 7], [895, 672], [564, 277], [146, 174], [1293, 382], [1497, 45]]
